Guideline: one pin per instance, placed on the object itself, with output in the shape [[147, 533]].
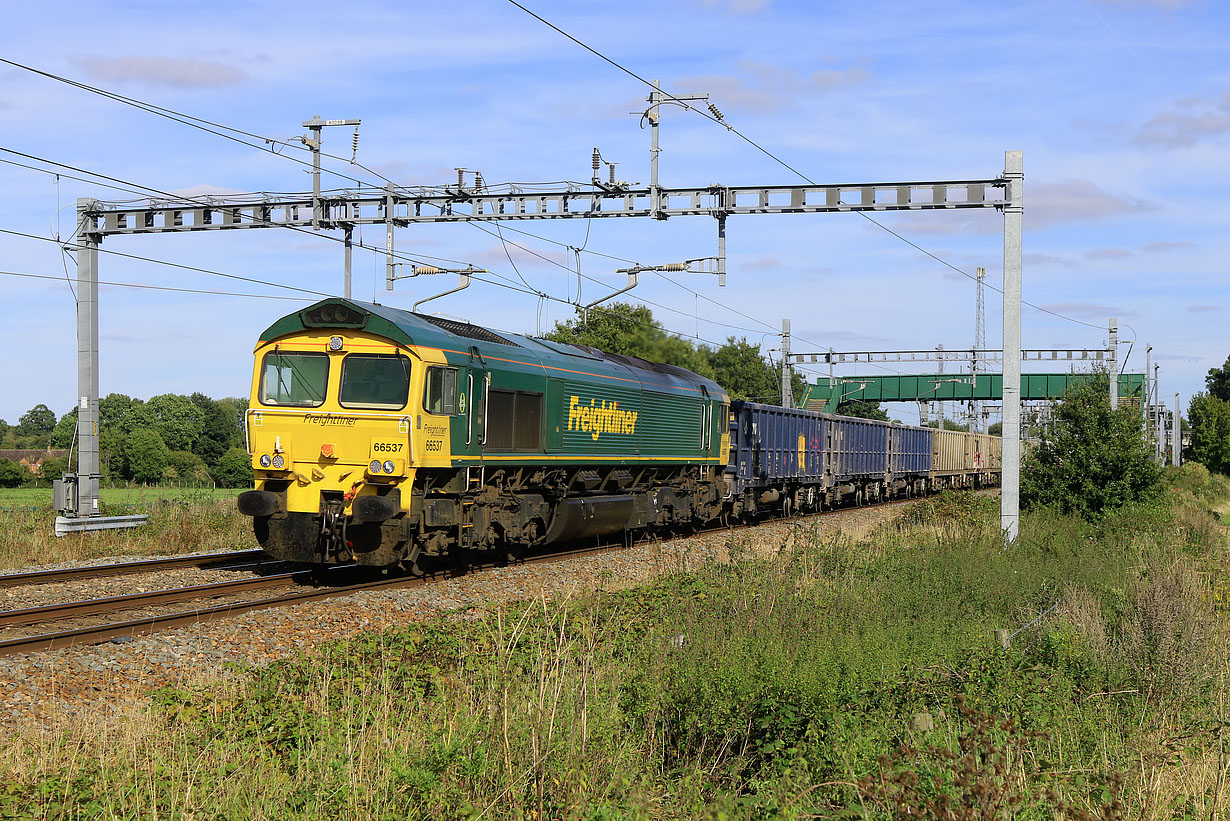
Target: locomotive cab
[[331, 427]]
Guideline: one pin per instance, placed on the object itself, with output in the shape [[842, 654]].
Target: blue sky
[[1122, 110]]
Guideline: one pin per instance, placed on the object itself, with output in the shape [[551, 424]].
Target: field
[[837, 678], [112, 496], [181, 521]]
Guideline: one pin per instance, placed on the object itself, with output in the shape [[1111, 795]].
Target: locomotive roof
[[413, 329]]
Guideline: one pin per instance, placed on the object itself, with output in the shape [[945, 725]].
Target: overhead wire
[[775, 158], [156, 287], [216, 128], [194, 268]]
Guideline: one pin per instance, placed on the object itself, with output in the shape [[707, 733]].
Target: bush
[[1090, 459], [188, 468], [1210, 421], [147, 455], [12, 474], [234, 469]]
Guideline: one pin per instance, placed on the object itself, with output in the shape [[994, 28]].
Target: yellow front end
[[335, 430]]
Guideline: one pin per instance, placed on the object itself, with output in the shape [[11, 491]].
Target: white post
[[1114, 364], [1176, 435], [1010, 498], [87, 362]]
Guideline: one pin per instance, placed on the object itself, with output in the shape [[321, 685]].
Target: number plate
[[385, 449]]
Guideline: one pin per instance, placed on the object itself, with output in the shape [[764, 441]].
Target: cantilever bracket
[[633, 274], [466, 275]]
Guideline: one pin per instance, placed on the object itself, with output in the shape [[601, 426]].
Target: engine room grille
[[467, 330], [333, 316]]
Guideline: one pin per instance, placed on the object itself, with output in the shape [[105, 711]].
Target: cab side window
[[440, 395]]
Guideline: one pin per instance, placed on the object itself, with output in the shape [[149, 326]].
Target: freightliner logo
[[599, 419]]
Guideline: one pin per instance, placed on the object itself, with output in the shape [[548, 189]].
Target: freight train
[[384, 437]]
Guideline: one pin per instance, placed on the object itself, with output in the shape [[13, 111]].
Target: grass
[[112, 496], [836, 678], [180, 521]]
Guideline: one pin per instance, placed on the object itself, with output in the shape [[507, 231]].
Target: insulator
[[427, 269], [478, 181], [597, 161], [714, 110], [354, 145], [461, 178], [675, 266], [611, 167]]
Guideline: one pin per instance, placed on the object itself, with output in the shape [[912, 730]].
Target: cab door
[[478, 380]]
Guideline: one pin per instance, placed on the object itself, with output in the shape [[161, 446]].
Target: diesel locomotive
[[382, 437]]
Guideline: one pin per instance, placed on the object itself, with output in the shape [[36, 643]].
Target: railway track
[[237, 558], [321, 584]]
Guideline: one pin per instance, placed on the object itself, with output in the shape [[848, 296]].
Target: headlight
[[374, 467], [335, 343], [389, 467], [265, 460], [279, 461]]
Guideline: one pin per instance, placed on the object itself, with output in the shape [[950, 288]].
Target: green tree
[[39, 421], [146, 455], [996, 428], [189, 467], [739, 367], [630, 330], [13, 474], [65, 431], [1218, 382], [862, 409], [234, 469], [221, 427], [1209, 417], [1090, 458], [948, 425], [51, 469], [177, 420]]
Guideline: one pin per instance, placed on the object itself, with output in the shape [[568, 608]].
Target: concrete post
[[1010, 498], [1176, 435], [1146, 398], [939, 387], [87, 362], [787, 388], [1114, 363], [1159, 435]]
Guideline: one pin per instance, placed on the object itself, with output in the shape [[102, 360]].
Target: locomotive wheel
[[462, 559]]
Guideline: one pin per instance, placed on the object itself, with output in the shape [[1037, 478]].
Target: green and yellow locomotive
[[381, 436]]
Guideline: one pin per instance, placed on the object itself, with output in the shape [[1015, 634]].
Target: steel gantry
[[399, 207]]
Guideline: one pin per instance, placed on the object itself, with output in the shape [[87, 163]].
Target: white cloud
[[1046, 259], [1108, 253], [762, 88], [1048, 204], [1195, 120], [1163, 246], [151, 70]]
